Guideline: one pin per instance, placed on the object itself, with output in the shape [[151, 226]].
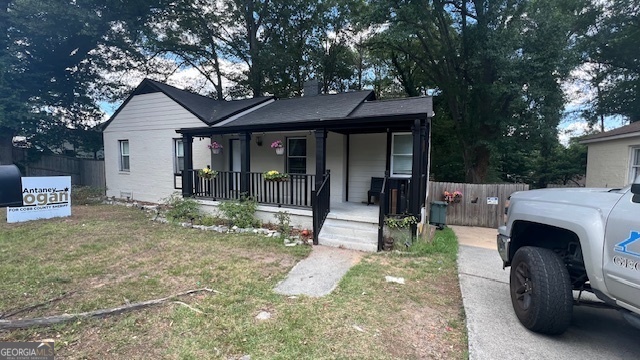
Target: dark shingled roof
[[404, 106], [624, 130], [209, 110], [305, 109]]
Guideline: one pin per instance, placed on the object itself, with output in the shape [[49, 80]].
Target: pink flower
[[214, 145], [276, 144]]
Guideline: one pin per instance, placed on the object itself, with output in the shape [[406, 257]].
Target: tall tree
[[49, 65], [614, 55], [189, 33], [497, 64]]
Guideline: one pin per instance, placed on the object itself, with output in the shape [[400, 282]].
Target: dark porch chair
[[375, 189]]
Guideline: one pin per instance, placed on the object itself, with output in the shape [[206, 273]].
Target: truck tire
[[541, 291]]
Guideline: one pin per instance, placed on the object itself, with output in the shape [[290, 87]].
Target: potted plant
[[273, 175], [278, 146], [207, 173], [397, 231], [215, 147]]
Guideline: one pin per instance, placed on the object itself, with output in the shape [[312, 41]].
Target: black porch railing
[[295, 191], [382, 211], [321, 200], [394, 200], [224, 186]]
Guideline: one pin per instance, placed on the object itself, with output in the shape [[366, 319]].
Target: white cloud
[[570, 130]]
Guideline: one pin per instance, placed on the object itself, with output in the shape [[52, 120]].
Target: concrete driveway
[[495, 332]]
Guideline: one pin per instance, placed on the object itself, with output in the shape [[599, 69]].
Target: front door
[[622, 250], [234, 164]]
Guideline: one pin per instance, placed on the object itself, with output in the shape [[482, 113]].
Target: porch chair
[[375, 189]]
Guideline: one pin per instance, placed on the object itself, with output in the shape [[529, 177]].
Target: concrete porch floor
[[353, 211]]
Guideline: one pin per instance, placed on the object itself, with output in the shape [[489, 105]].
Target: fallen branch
[[51, 320], [188, 307], [34, 306]]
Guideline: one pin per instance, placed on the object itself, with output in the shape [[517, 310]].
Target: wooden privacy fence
[[84, 172], [480, 205]]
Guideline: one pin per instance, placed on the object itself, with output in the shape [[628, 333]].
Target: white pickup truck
[[558, 241]]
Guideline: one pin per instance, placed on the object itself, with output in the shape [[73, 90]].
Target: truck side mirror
[[635, 189], [10, 186]]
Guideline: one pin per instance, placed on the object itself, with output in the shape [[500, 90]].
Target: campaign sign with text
[[42, 198]]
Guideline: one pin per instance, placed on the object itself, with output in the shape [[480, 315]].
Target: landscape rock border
[[154, 210]]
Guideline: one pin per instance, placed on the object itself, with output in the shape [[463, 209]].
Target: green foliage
[[208, 220], [400, 222], [497, 65], [444, 242], [182, 209], [240, 213], [398, 233], [85, 195], [612, 54], [284, 223]]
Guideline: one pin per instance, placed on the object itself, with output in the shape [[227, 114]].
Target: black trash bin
[[438, 214], [10, 186]]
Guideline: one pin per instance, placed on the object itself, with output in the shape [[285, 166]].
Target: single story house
[[337, 149], [613, 158]]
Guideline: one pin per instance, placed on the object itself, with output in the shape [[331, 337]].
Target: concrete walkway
[[494, 332], [319, 273]]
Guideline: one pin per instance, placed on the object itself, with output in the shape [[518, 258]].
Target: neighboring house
[[613, 158], [333, 145]]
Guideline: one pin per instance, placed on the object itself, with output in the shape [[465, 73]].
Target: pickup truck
[[561, 241]]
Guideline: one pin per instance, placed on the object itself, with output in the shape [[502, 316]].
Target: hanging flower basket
[[215, 147], [453, 197], [273, 175], [278, 146]]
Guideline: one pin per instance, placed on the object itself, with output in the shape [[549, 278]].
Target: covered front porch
[[330, 164]]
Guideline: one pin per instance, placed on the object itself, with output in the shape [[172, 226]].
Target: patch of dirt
[[145, 341], [427, 334], [434, 328]]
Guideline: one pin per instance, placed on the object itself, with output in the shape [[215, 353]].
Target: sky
[[577, 92]]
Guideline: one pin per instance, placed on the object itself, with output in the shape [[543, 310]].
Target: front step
[[349, 234]]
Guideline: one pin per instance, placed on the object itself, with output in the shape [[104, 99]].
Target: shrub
[[397, 231], [84, 195], [208, 220], [240, 213], [181, 209], [284, 223]]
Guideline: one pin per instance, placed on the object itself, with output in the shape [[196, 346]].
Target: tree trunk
[[476, 163], [6, 146]]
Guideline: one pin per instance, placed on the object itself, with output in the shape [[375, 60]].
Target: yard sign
[[42, 198]]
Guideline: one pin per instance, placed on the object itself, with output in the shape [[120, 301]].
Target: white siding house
[[148, 123], [333, 146]]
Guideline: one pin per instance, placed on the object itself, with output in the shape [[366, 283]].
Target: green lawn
[[105, 256]]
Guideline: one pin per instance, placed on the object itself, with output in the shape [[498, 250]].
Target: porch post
[[414, 200], [321, 155], [245, 162], [187, 173], [424, 154]]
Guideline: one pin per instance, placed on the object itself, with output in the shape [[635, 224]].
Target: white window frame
[[177, 143], [634, 170], [393, 155], [123, 155], [305, 157]]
